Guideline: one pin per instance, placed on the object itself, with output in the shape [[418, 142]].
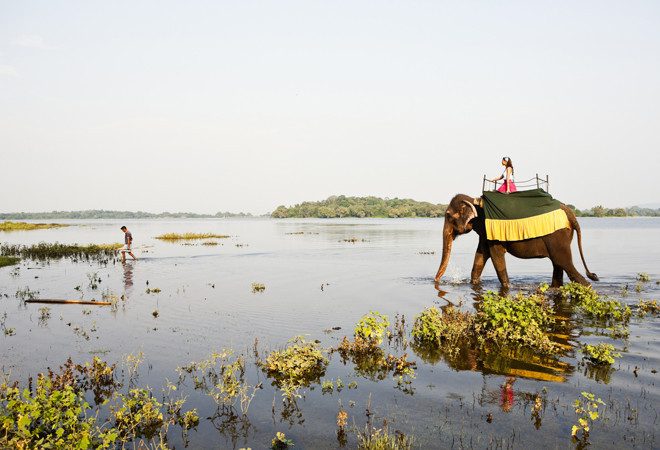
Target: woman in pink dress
[[508, 185]]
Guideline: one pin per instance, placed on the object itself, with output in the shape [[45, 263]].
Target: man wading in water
[[128, 240]]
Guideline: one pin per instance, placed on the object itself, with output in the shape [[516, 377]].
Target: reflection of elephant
[[465, 214]]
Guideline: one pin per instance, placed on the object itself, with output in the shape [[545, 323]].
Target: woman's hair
[[509, 163]]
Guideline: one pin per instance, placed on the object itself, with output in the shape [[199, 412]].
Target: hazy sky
[[207, 106]]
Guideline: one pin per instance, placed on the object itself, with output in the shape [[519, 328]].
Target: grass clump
[[300, 364], [8, 261], [44, 251], [381, 439], [15, 226], [190, 236]]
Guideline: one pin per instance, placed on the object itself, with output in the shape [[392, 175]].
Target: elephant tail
[[576, 226]]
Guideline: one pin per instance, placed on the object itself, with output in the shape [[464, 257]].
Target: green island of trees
[[342, 206]]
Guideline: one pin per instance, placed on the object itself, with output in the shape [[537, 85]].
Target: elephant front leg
[[480, 259], [497, 253]]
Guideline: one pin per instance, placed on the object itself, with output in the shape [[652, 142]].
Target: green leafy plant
[[647, 307], [300, 364], [222, 377], [592, 304], [587, 411], [258, 287], [49, 418], [600, 354], [521, 320], [371, 327], [643, 277], [280, 442]]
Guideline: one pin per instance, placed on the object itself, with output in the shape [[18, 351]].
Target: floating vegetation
[[26, 293], [94, 280], [600, 354], [354, 240], [521, 320], [44, 251], [280, 442], [592, 304], [56, 413], [380, 438], [15, 226], [647, 307], [222, 378], [258, 287], [8, 261], [190, 236], [153, 291], [299, 365], [369, 359], [643, 277], [587, 411]]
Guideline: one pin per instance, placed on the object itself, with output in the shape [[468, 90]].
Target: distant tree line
[[600, 211], [103, 214], [342, 206]]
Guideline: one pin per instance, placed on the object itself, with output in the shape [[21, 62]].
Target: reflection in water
[[128, 277], [466, 354], [506, 395]]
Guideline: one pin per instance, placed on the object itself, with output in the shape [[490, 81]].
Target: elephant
[[465, 213]]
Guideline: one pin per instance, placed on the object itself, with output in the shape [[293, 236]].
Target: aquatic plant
[[94, 280], [600, 354], [258, 287], [26, 293], [519, 320], [8, 261], [643, 277], [644, 307], [190, 236], [56, 413], [587, 411], [451, 327], [371, 327], [14, 226], [49, 418], [300, 364], [44, 315], [592, 304], [381, 439], [280, 442], [44, 251], [223, 379]]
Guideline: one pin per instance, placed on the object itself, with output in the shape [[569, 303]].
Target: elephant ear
[[469, 213]]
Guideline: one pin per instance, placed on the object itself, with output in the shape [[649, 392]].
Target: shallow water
[[325, 274]]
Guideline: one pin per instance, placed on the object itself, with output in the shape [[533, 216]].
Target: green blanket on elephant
[[522, 215]]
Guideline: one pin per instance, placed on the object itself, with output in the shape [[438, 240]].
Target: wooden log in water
[[55, 300]]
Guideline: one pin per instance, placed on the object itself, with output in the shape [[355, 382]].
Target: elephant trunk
[[447, 240]]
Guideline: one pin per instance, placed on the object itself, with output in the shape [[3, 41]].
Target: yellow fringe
[[531, 227]]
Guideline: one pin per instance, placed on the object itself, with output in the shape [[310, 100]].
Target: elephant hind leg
[[557, 276]]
